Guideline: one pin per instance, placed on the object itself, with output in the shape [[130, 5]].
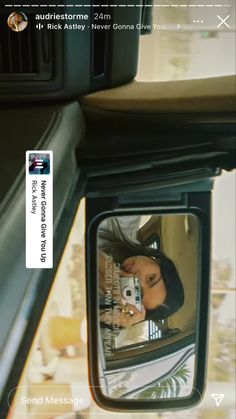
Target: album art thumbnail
[[39, 164]]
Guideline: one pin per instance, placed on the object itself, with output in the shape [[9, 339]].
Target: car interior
[[121, 143], [157, 232]]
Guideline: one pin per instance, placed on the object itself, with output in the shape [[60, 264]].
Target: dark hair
[[120, 248]]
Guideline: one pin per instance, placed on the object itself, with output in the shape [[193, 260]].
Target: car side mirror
[[148, 291]]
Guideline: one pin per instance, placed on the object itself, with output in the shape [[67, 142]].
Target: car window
[[62, 359], [155, 378], [193, 39]]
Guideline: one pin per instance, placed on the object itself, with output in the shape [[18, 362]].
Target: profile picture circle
[[17, 21]]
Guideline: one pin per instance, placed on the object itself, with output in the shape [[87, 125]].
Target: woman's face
[[152, 284], [17, 19]]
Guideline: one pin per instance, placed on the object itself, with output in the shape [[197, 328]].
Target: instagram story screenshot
[[117, 209]]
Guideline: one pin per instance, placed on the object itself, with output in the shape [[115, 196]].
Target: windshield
[[187, 40]]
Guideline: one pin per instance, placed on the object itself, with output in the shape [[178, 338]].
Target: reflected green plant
[[170, 387]]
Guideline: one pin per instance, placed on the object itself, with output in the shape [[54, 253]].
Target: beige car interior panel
[[201, 95]]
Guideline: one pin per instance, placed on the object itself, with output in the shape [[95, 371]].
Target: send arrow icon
[[218, 398]]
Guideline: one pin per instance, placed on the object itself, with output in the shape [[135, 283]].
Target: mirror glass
[[148, 270]]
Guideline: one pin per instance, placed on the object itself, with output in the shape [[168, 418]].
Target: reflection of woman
[[17, 21], [161, 288]]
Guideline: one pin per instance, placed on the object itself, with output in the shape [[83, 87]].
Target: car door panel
[[23, 292]]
